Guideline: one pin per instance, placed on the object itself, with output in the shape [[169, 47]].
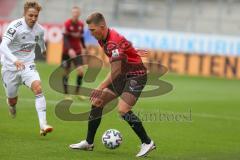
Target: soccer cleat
[[83, 145], [12, 111], [145, 149], [80, 97], [68, 97], [45, 129]]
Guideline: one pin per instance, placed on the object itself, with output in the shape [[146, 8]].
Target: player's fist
[[95, 97], [19, 65], [142, 52], [84, 51], [72, 53]]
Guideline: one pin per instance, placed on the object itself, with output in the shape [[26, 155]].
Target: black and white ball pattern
[[112, 139]]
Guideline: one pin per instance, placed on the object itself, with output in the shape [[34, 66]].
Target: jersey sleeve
[[11, 32], [5, 50], [119, 52], [66, 43]]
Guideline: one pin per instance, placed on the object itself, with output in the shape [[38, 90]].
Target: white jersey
[[23, 42]]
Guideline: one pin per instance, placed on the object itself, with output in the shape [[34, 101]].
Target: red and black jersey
[[117, 47], [73, 36]]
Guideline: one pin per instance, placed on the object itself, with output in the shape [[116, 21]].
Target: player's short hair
[[76, 7], [32, 4], [96, 18]]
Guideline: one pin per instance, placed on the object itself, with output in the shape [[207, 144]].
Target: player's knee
[[128, 99], [12, 101], [123, 111], [37, 88], [66, 71], [123, 107], [97, 103], [80, 72]]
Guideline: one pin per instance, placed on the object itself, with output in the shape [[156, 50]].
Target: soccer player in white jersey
[[18, 67]]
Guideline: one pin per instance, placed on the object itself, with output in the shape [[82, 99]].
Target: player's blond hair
[[32, 4], [76, 7]]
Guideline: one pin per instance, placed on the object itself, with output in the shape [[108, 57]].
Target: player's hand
[[84, 51], [19, 65], [142, 52], [44, 53], [72, 53], [95, 97], [95, 94]]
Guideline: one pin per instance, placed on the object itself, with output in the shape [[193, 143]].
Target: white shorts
[[13, 79]]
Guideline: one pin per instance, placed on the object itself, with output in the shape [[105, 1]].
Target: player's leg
[[129, 97], [66, 64], [11, 82], [80, 75], [12, 102], [124, 107], [40, 104], [95, 119], [31, 79], [78, 62], [96, 113]]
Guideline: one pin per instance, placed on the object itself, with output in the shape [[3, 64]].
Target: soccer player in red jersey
[[72, 47], [126, 80]]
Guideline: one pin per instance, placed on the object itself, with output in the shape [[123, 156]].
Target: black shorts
[[66, 62], [133, 84]]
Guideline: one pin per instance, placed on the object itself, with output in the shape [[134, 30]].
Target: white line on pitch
[[79, 103], [75, 102]]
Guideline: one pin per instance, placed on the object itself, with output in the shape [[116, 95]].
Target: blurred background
[[196, 37], [200, 16]]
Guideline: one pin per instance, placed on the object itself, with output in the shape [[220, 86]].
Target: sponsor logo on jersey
[[11, 32], [109, 47], [27, 47], [115, 53]]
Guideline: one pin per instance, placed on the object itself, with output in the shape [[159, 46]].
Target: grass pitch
[[199, 119]]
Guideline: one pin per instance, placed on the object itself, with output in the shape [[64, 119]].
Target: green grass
[[212, 133]]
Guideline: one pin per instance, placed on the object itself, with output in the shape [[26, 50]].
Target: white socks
[[40, 104]]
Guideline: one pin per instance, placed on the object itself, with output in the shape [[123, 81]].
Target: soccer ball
[[112, 139]]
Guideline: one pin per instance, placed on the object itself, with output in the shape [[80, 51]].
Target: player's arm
[[106, 82], [112, 75], [6, 51], [8, 54], [66, 35], [9, 35], [117, 59], [66, 42], [67, 45], [142, 52]]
